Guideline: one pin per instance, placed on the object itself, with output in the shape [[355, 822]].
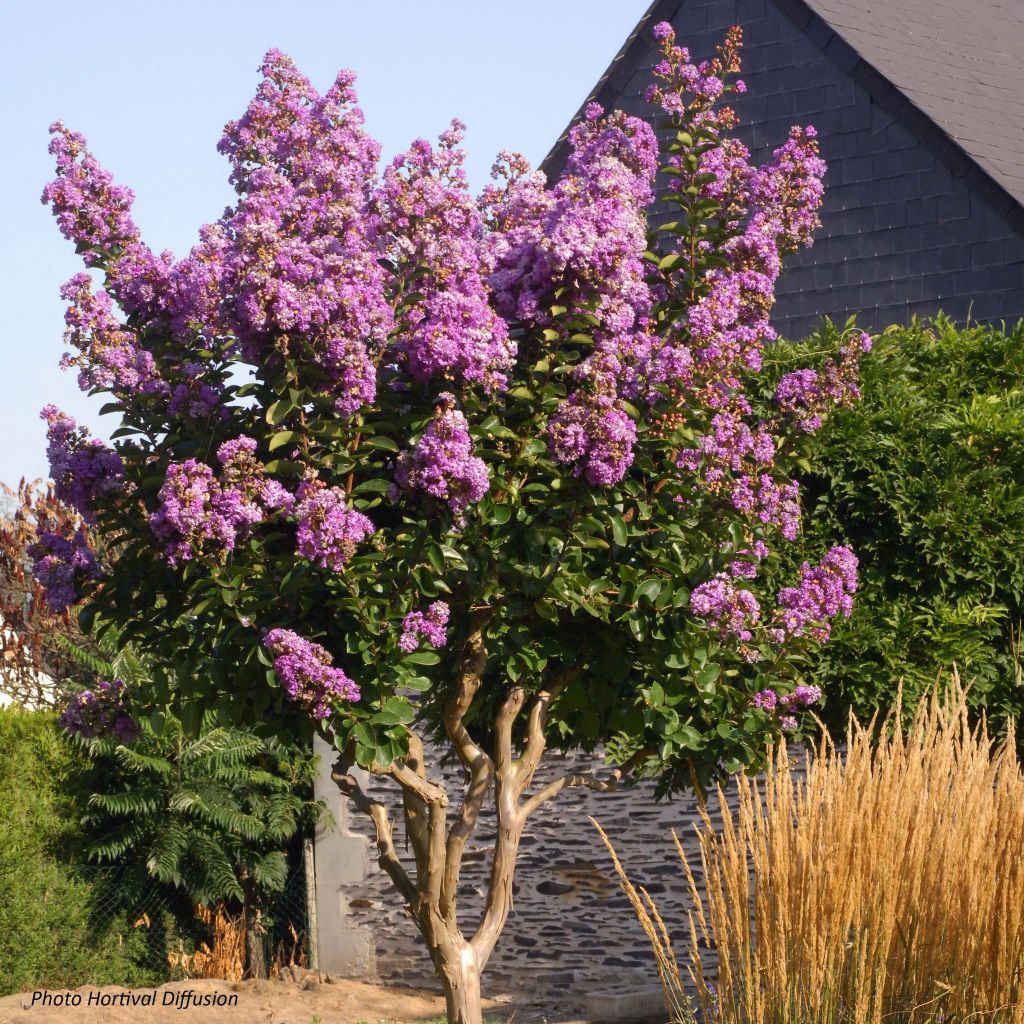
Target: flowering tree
[[412, 465]]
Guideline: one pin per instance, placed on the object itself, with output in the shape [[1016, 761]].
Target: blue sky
[[151, 86]]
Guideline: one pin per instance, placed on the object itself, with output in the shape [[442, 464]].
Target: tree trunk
[[459, 972], [431, 896], [257, 955], [255, 952]]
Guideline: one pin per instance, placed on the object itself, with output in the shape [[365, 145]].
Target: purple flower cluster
[[95, 213], [691, 90], [744, 565], [300, 253], [307, 673], [736, 460], [787, 192], [84, 470], [442, 464], [101, 712], [586, 239], [91, 210], [62, 566], [806, 395], [728, 609], [200, 515], [785, 704], [587, 235], [449, 329], [824, 591], [328, 531], [110, 356], [431, 626], [594, 435]]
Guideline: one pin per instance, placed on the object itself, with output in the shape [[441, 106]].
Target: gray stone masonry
[[571, 937]]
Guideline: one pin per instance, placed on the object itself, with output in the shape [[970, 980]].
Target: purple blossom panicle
[[727, 609], [186, 522], [307, 673], [431, 626], [585, 238], [449, 330], [588, 234], [109, 353], [824, 592], [744, 565], [100, 712], [736, 461], [441, 463], [803, 696], [91, 210], [201, 515], [329, 531], [594, 435], [62, 566], [300, 249], [83, 469], [805, 396]]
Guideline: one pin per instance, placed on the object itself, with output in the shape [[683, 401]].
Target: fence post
[[311, 927]]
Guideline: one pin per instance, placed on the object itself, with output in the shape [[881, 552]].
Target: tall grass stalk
[[884, 885]]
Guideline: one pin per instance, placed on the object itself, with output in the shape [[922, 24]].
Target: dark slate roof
[[954, 66], [958, 61]]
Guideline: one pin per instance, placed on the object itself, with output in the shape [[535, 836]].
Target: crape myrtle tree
[[405, 465]]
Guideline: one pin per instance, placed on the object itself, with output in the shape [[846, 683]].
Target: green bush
[[61, 923], [924, 478]]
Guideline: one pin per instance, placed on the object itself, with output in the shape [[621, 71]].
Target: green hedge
[[924, 478], [61, 923]]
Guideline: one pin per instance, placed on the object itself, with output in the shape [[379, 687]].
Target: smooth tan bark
[[430, 897]]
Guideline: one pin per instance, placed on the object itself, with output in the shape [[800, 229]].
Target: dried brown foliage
[[34, 660], [225, 958], [887, 884]]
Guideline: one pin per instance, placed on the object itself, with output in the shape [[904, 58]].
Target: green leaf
[[278, 412], [283, 437], [649, 589], [619, 532], [423, 658], [375, 486], [385, 444]]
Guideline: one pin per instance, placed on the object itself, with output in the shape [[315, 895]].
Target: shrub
[[886, 885], [60, 925], [212, 816], [924, 479]]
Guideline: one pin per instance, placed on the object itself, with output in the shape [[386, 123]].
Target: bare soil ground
[[259, 1002]]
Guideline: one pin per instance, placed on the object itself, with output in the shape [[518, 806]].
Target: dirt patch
[[258, 1002]]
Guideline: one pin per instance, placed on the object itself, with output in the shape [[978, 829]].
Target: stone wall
[[571, 933]]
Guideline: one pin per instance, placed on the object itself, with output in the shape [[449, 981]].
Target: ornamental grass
[[884, 884]]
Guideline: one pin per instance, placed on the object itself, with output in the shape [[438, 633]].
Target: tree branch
[[570, 781], [533, 748], [504, 762], [472, 756], [416, 812], [378, 814]]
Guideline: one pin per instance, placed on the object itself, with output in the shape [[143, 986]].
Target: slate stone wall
[[572, 934], [909, 224]]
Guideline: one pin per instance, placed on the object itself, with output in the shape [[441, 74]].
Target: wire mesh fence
[[159, 935]]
